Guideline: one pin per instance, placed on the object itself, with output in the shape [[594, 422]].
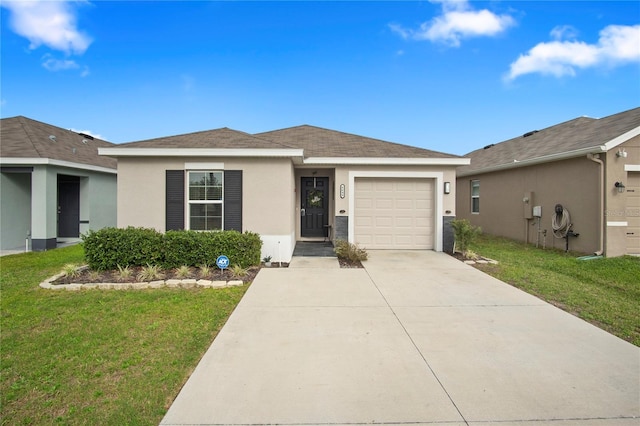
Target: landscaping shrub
[[185, 248], [109, 248], [349, 251], [203, 248], [464, 233]]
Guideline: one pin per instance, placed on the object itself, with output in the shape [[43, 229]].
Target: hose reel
[[561, 224]]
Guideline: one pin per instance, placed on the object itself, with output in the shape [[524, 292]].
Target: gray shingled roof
[[574, 135], [315, 141], [218, 138], [319, 142], [22, 137]]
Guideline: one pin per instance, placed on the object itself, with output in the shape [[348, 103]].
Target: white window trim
[[475, 196], [198, 167], [189, 202]]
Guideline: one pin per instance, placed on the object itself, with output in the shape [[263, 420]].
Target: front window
[[475, 196], [205, 201]]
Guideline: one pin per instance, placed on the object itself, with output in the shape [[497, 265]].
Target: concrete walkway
[[416, 337]]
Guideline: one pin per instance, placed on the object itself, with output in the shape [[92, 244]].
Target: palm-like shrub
[[349, 251]]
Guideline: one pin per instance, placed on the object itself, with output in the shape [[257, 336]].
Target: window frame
[[475, 198], [190, 202]]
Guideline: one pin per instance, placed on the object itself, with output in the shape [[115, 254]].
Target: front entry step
[[314, 249], [314, 262]]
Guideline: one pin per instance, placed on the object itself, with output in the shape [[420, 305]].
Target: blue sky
[[442, 75]]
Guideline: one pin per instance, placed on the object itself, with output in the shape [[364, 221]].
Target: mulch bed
[[113, 276], [459, 256], [86, 275], [346, 263]]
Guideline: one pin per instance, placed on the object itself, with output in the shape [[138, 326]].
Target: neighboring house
[[300, 183], [53, 186], [589, 166]]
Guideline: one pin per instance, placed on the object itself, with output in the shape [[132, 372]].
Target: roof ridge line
[[25, 129]]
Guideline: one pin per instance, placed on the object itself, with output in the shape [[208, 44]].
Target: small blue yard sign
[[222, 262]]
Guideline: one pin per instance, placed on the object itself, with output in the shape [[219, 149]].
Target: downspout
[[599, 161]]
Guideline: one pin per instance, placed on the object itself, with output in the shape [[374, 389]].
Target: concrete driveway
[[416, 337]]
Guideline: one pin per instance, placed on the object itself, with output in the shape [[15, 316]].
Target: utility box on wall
[[537, 211]]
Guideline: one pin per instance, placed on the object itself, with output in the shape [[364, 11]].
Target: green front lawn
[[98, 357], [605, 292], [120, 357]]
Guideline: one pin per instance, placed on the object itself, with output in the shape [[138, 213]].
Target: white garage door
[[633, 213], [394, 213]]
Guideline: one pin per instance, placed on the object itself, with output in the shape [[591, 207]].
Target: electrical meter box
[[537, 211]]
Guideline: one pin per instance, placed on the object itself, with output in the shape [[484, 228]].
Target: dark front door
[[68, 206], [314, 207]]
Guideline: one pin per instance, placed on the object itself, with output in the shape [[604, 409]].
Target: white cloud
[[564, 32], [458, 21], [617, 45], [53, 64], [398, 29], [49, 23]]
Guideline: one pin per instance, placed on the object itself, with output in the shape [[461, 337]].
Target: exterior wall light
[[447, 187], [620, 187], [621, 153]]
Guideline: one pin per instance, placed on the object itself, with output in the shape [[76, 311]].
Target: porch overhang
[[24, 161]]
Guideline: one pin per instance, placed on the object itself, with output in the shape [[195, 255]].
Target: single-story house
[[302, 183], [591, 167], [53, 185]]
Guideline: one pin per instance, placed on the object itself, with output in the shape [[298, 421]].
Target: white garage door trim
[[438, 188]]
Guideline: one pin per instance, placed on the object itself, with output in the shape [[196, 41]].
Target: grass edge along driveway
[[604, 292], [98, 357]]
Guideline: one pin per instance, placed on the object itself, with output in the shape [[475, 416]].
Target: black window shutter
[[174, 200], [233, 200]]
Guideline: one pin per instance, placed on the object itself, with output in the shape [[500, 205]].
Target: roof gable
[[319, 142], [25, 138], [223, 138], [313, 143], [571, 138]]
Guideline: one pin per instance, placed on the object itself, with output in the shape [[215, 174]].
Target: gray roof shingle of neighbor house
[[24, 138], [315, 141], [571, 136]]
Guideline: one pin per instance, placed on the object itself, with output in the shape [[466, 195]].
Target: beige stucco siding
[[573, 183], [268, 190], [620, 211], [271, 194]]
